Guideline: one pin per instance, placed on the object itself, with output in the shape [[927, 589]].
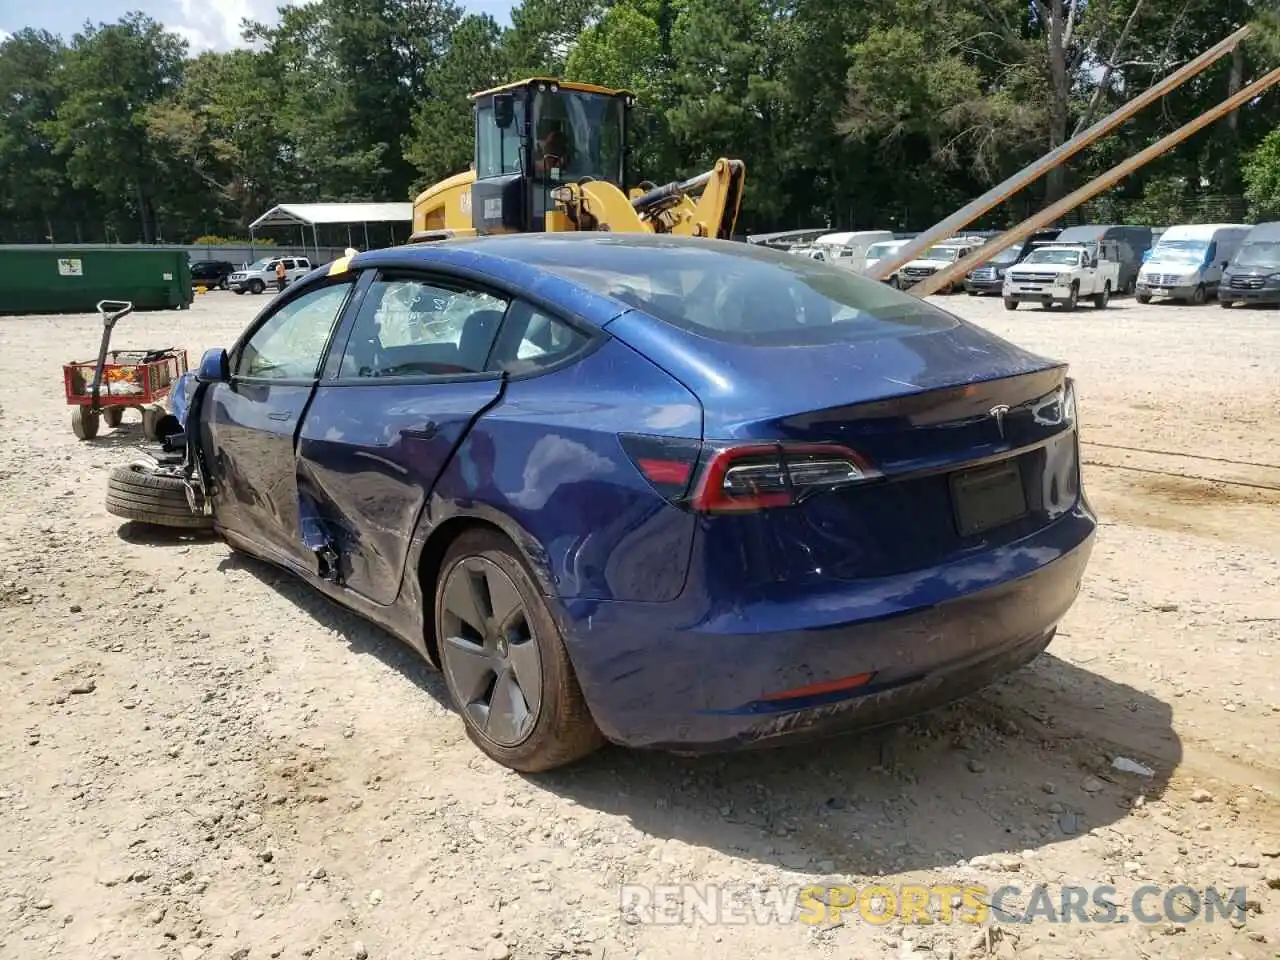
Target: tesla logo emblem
[[999, 412]]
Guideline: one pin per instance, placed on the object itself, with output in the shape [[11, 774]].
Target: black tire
[[1197, 297], [84, 423], [562, 729], [257, 286], [1010, 304], [144, 496], [1073, 298], [1143, 298], [223, 285], [1100, 300], [239, 291], [113, 416]]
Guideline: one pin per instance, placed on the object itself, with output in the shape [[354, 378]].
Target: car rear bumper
[[675, 677]]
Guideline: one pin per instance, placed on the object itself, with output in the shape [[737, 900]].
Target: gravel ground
[[202, 758]]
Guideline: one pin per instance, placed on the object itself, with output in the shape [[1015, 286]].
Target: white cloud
[[215, 24], [5, 35]]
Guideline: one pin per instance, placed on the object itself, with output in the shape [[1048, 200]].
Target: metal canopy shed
[[315, 215]]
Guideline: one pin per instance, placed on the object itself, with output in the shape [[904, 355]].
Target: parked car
[[211, 273], [848, 248], [939, 257], [989, 278], [1131, 242], [1063, 273], [1187, 262], [878, 251], [1253, 276], [660, 491], [261, 274]]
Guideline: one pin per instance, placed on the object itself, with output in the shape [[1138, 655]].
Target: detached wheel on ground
[[138, 493], [504, 661]]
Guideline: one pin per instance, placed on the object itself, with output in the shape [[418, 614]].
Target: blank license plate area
[[987, 497]]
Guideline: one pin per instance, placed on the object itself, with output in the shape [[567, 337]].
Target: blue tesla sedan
[[686, 494]]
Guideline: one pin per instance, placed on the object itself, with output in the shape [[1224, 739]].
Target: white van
[[848, 248], [1187, 262]]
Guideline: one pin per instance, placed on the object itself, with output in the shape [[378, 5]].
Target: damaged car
[[673, 493]]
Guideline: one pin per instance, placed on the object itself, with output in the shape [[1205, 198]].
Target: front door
[[388, 416], [253, 420]]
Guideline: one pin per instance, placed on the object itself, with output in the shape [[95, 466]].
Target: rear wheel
[[84, 423], [1100, 300], [143, 495], [504, 660]]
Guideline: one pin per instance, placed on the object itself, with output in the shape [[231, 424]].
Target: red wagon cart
[[103, 389]]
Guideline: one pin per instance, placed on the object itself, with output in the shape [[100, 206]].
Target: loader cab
[[533, 136]]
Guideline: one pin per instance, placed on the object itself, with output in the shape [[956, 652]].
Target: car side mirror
[[504, 110], [214, 366]]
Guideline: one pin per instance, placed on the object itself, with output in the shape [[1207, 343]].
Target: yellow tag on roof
[[341, 265]]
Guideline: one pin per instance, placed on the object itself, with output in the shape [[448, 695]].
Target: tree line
[[888, 114]]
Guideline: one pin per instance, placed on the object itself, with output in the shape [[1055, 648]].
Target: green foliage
[[1262, 178], [890, 114], [213, 240]]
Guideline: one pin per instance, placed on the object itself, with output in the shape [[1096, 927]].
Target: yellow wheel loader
[[551, 156]]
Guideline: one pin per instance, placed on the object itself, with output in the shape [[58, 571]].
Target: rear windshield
[[740, 293]]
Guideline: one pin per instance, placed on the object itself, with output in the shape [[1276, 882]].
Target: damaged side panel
[[369, 454]]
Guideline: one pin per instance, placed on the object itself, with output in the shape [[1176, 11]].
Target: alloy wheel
[[488, 651]]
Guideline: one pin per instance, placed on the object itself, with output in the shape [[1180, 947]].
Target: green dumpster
[[72, 279]]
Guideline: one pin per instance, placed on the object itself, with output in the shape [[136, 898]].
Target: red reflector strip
[[666, 471], [827, 686]]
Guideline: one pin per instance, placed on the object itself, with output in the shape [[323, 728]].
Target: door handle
[[280, 415], [424, 432]]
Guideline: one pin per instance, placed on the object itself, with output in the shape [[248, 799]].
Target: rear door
[[391, 409], [253, 420]]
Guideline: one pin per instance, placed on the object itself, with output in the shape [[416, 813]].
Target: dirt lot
[[201, 758]]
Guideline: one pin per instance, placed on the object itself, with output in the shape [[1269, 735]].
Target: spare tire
[[139, 493]]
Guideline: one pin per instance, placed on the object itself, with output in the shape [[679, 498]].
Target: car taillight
[[712, 478]]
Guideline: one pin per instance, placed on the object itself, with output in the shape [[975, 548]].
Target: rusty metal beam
[[1003, 191], [932, 284]]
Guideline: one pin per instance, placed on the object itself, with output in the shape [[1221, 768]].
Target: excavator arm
[[703, 206]]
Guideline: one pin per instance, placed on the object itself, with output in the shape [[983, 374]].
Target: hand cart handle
[[113, 310]]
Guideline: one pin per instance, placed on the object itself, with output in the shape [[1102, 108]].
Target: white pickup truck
[[1064, 273]]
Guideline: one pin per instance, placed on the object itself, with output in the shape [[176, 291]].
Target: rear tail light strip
[[711, 478]]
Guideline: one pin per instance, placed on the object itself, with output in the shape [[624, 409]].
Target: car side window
[[532, 340], [412, 327], [291, 343]]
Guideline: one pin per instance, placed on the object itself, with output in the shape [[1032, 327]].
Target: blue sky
[[207, 24]]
